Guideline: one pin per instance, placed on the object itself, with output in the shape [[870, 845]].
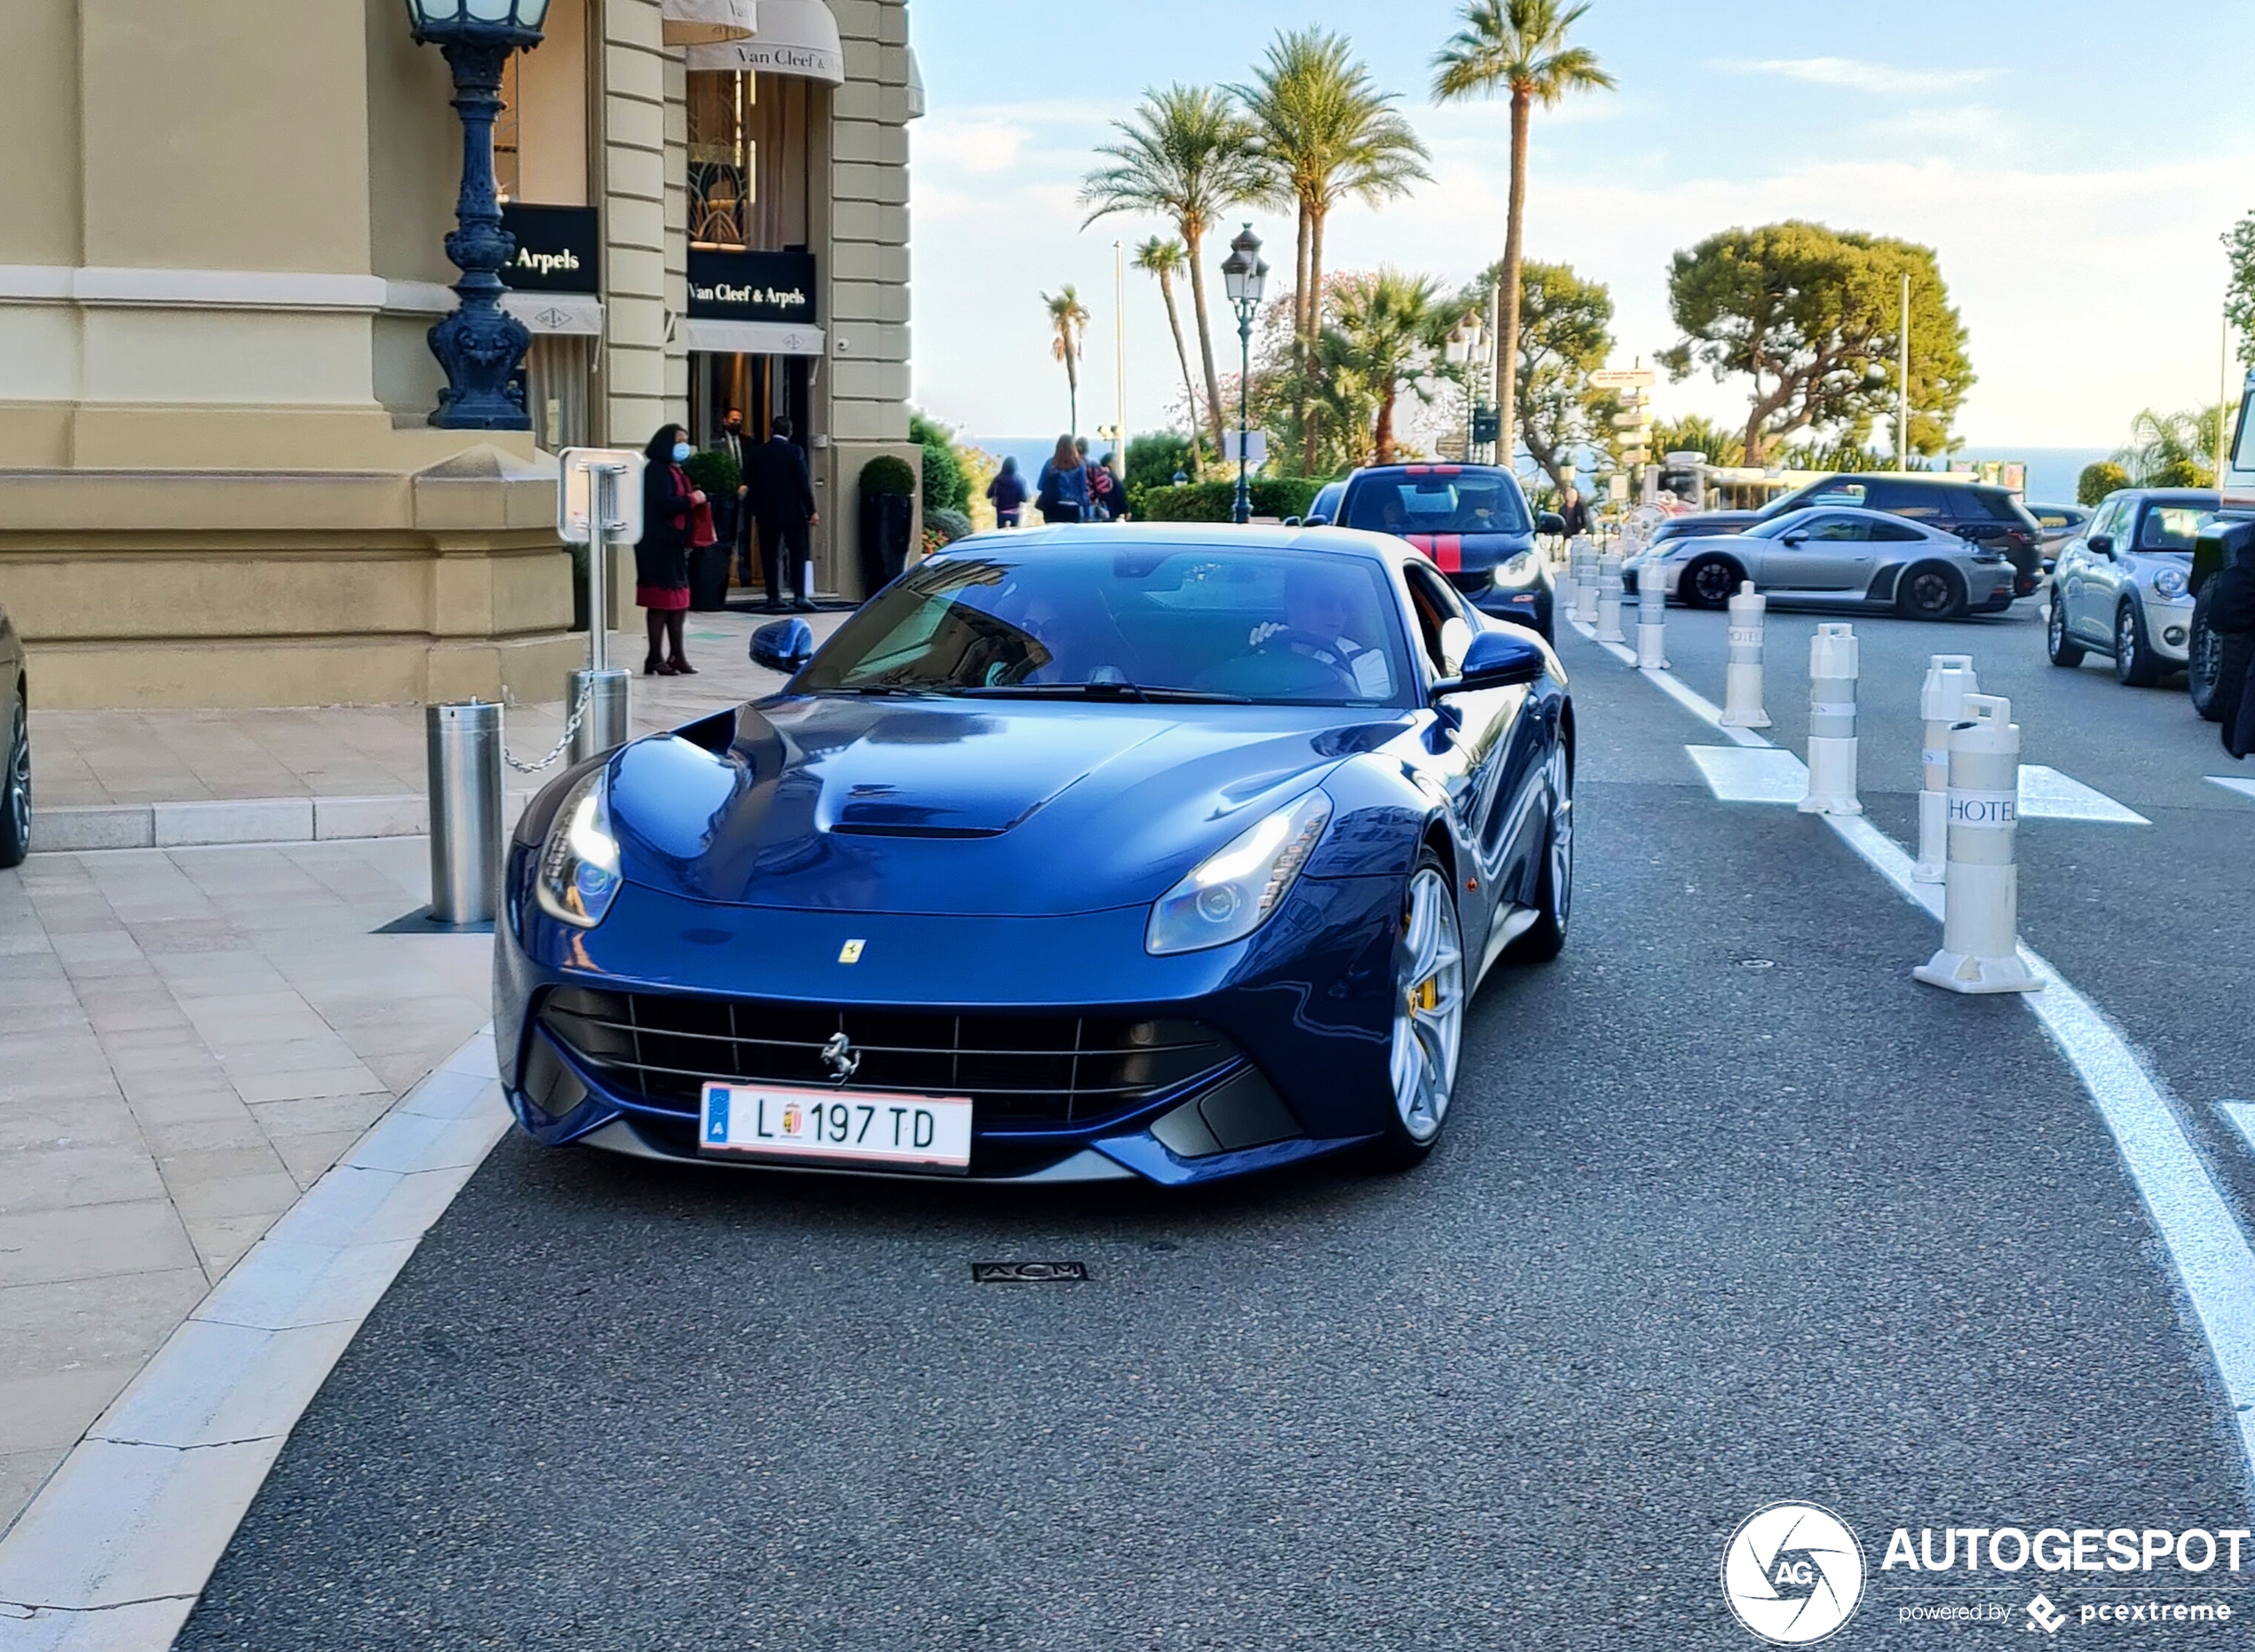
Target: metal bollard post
[[1651, 618], [1585, 584], [1609, 597], [1949, 678], [1742, 677], [1564, 591], [603, 727], [1980, 902], [463, 751], [1831, 723]]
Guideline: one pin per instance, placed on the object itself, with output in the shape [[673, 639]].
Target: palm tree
[[1185, 155], [1327, 135], [2173, 449], [1390, 326], [1162, 258], [1068, 325], [1517, 47]]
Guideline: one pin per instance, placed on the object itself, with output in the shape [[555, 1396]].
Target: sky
[[2073, 165]]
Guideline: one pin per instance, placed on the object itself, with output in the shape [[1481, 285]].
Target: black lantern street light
[[1244, 276], [479, 343]]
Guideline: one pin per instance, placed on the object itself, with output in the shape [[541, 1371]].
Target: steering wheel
[[1316, 650]]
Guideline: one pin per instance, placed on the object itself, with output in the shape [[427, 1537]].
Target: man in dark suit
[[782, 497], [733, 443]]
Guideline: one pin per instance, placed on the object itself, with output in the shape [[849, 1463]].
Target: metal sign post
[[599, 500]]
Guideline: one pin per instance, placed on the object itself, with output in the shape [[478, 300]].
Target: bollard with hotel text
[[1981, 895], [1742, 676], [1949, 678]]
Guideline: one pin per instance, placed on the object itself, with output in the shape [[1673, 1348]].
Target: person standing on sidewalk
[[1007, 493], [662, 555], [1064, 495], [782, 497], [733, 443]]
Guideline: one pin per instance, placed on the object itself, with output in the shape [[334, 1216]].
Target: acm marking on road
[[2211, 1253]]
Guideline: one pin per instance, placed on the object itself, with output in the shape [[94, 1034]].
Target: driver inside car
[[1320, 616]]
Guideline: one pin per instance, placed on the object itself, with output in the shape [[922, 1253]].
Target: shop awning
[[795, 37], [915, 87], [707, 22], [754, 338]]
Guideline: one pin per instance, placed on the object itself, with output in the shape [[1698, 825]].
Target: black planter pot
[[886, 519]]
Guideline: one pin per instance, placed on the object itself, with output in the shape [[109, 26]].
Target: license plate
[[858, 1126]]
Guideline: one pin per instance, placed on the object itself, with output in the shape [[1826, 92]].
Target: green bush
[[944, 524], [947, 486], [1215, 501], [714, 471], [1153, 459], [2098, 480], [887, 475]]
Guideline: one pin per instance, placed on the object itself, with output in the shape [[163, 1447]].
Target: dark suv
[[1472, 520], [1976, 511]]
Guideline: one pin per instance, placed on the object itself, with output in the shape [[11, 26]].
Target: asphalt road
[[1730, 1210]]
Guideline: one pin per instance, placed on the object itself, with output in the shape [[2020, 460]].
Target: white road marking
[[2241, 1115], [2206, 1244], [1738, 774], [2047, 794], [2231, 783]]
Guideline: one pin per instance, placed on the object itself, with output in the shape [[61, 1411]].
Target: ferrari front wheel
[[1429, 1015]]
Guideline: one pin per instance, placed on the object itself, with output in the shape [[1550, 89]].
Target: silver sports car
[[1838, 553]]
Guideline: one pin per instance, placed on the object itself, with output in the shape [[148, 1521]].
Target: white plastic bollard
[[1586, 585], [1742, 677], [1609, 597], [1980, 902], [1652, 619], [1950, 679], [1566, 590], [1831, 723]]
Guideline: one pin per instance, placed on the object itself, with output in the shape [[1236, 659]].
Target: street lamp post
[[478, 344], [1244, 277]]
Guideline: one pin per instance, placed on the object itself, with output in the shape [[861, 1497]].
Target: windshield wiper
[[1107, 691]]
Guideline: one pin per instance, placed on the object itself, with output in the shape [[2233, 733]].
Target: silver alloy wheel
[[1562, 835], [1429, 1015], [2056, 624], [19, 783]]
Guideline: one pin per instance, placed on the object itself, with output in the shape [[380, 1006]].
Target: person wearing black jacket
[[737, 534], [782, 499], [2230, 595]]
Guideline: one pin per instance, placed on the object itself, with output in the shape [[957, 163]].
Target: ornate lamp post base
[[479, 343]]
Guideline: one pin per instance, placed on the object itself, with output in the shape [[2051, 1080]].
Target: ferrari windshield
[[1467, 502], [1096, 621]]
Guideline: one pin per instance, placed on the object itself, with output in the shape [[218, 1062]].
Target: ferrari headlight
[[578, 873], [1232, 893], [1517, 573], [2170, 582]]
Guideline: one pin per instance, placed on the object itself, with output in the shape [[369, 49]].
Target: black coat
[[2230, 594], [662, 555], [782, 492]]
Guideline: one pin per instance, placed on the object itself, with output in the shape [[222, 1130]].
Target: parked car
[[2123, 586], [1925, 572], [15, 781], [1973, 509], [1324, 509], [2059, 523], [1705, 525], [1472, 521], [1153, 854], [2215, 661]]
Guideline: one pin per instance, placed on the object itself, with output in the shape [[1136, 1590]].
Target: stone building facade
[[222, 238]]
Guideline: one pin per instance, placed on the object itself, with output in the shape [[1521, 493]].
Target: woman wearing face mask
[[661, 557]]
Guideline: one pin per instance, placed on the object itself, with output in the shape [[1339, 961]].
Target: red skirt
[[665, 598]]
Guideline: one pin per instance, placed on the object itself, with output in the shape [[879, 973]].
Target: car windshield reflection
[[1093, 622]]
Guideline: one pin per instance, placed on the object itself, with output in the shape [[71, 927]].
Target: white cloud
[[1858, 75], [972, 146]]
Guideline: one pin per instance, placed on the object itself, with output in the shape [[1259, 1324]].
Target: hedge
[[886, 474], [1217, 502]]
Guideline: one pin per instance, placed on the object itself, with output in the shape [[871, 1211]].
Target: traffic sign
[[1487, 425], [1637, 455], [1636, 421], [1623, 378]]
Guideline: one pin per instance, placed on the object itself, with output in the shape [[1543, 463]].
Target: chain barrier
[[571, 727]]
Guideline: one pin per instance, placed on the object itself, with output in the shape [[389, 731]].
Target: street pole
[[1243, 512], [2224, 406], [1120, 352], [1903, 385]]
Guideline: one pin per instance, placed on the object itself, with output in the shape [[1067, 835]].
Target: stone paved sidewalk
[[190, 1036]]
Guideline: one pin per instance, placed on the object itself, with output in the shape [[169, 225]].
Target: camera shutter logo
[[1793, 1574]]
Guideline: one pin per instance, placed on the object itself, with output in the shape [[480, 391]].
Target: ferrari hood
[[1002, 808]]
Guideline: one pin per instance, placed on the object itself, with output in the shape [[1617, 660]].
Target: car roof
[[1429, 469], [1215, 536], [2188, 496]]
